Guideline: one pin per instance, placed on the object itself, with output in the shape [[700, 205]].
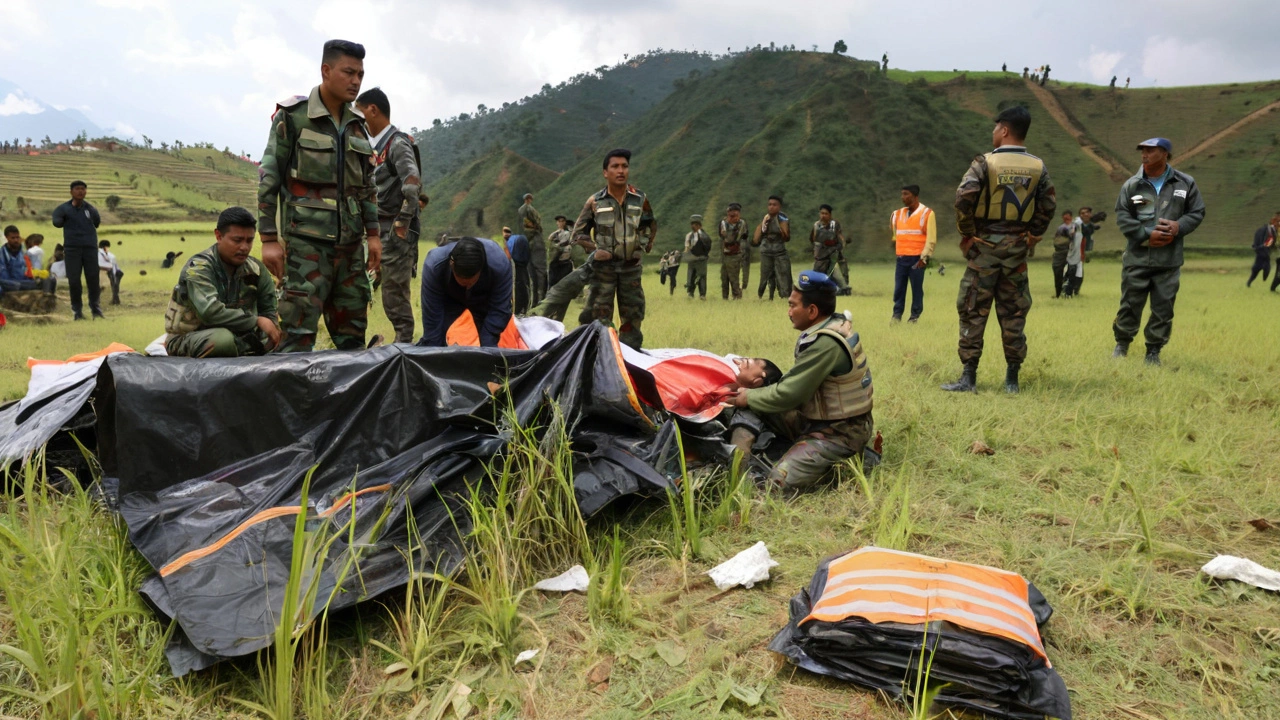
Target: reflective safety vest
[[911, 231], [880, 585], [839, 397], [1010, 191]]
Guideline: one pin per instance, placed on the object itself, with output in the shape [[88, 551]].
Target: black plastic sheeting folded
[[983, 673], [211, 454]]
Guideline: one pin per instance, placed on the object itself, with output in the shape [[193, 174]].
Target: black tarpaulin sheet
[[982, 672], [209, 458]]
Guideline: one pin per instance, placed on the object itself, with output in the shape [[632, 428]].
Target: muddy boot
[[1153, 357], [968, 381], [1011, 380], [1121, 351]]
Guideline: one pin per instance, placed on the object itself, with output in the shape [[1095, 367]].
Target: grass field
[[1110, 485]]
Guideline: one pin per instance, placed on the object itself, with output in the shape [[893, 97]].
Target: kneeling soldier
[[224, 304], [823, 403]]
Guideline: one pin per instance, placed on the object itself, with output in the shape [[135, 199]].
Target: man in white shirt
[[108, 264]]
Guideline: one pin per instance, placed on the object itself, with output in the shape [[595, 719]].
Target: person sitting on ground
[[225, 303], [109, 265], [823, 403], [58, 268], [35, 251], [169, 259], [16, 270], [470, 275]]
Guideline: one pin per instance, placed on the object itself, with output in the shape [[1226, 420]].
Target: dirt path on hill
[[1110, 165], [1229, 130]]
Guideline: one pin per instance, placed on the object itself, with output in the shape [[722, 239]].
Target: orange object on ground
[[693, 386], [463, 332], [83, 357]]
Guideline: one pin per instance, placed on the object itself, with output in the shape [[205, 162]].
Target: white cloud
[[1173, 61], [1101, 64], [19, 104], [125, 131]]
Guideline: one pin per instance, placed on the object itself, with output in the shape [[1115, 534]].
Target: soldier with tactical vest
[[915, 234], [617, 224], [531, 221], [827, 239], [317, 175], [823, 403], [1004, 204], [224, 304], [697, 247], [771, 236], [734, 249], [396, 175], [559, 252]]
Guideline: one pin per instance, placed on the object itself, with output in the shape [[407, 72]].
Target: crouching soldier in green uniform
[[1156, 209], [317, 171], [823, 403], [224, 304]]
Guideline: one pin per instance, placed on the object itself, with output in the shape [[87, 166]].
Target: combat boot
[[1011, 380], [1153, 357], [1121, 351], [968, 381]]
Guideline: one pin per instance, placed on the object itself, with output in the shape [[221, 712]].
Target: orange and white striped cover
[[882, 585]]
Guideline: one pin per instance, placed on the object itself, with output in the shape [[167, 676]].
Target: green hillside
[[560, 124], [151, 185], [482, 197]]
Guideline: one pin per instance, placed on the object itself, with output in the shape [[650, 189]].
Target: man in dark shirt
[[472, 275], [1263, 241], [79, 222]]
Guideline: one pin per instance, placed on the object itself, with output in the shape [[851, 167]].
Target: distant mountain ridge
[[22, 116]]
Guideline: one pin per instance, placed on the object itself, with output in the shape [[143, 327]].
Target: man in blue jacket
[[79, 222], [473, 275]]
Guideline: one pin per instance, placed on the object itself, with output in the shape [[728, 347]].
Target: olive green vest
[[617, 228], [840, 397], [1010, 192], [327, 171]]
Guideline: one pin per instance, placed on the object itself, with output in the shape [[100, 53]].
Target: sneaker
[[913, 318], [1121, 351]]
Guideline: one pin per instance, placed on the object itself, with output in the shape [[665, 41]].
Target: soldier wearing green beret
[[224, 304], [697, 247], [317, 176]]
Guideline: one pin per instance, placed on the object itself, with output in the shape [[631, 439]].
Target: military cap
[[814, 280], [695, 219]]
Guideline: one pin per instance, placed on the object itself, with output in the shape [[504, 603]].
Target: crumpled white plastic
[[527, 655], [575, 578], [746, 568], [1230, 567]]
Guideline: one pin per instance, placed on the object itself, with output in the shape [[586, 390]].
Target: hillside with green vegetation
[[147, 184], [482, 197], [558, 126]]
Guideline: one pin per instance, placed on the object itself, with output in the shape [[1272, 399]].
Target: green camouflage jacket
[[397, 178], [211, 295], [530, 220], [300, 177], [624, 230], [970, 193]]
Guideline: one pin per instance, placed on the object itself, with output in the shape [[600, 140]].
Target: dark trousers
[[1074, 279], [82, 260], [113, 277], [905, 271], [1261, 264], [1137, 284], [557, 271], [1275, 279], [522, 288], [1059, 275]]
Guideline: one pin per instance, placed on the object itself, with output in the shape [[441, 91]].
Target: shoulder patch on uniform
[[291, 101], [600, 195]]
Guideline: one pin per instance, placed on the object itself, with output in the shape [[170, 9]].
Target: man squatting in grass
[[317, 171], [823, 403], [1263, 242], [224, 304], [1003, 205], [915, 234], [1156, 209], [396, 177], [771, 236]]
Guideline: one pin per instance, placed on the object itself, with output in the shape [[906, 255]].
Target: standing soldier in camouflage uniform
[[772, 235], [827, 238], [396, 173], [559, 252], [224, 304], [1003, 205], [531, 221], [317, 173], [734, 247], [617, 224], [697, 246], [1156, 210]]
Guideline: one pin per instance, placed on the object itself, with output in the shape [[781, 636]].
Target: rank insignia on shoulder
[[291, 101]]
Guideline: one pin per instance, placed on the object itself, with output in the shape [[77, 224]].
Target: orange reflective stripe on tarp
[[463, 332], [83, 357], [626, 375], [882, 585], [257, 518]]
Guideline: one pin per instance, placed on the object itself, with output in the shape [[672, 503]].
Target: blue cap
[[814, 280], [1157, 142]]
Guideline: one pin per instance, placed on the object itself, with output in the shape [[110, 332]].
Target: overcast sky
[[196, 70]]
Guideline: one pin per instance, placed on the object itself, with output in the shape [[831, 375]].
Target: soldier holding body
[[697, 247], [531, 221], [1156, 210], [1003, 206], [771, 236], [317, 174], [618, 225], [734, 247], [827, 239], [224, 304], [397, 176]]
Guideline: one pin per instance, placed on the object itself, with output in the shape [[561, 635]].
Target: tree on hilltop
[[840, 48]]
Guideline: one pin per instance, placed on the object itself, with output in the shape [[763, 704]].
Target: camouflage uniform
[[827, 240], [697, 246], [734, 246], [531, 221], [556, 304], [325, 214], [214, 309], [396, 175], [775, 264], [559, 256], [997, 268], [622, 233]]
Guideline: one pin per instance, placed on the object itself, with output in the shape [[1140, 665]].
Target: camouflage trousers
[[537, 268], [696, 276], [216, 342], [746, 267], [730, 270], [996, 273], [556, 304], [836, 271], [620, 279], [1137, 284], [323, 279], [775, 272], [399, 262], [817, 448]]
